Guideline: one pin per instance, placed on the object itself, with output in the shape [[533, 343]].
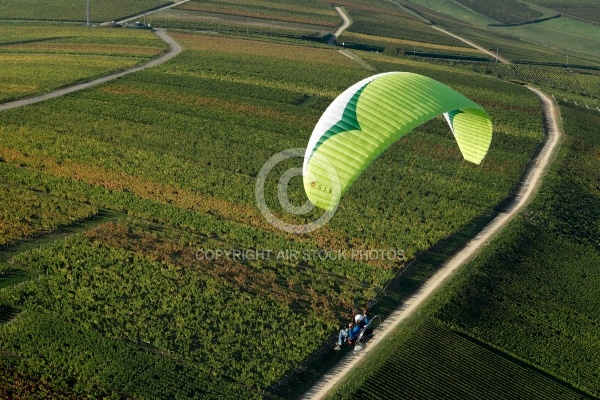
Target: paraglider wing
[[371, 115]]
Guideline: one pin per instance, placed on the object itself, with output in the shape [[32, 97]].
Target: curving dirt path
[[527, 188], [174, 49], [345, 25], [525, 193]]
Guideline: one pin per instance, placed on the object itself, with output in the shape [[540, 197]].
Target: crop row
[[200, 318], [249, 232], [513, 49], [170, 126], [503, 11], [79, 360], [301, 282], [15, 384], [266, 10], [543, 307], [425, 366], [237, 25], [24, 213], [26, 74], [399, 26], [531, 309], [16, 33], [42, 59], [181, 145], [584, 9], [550, 77], [71, 10], [405, 45]]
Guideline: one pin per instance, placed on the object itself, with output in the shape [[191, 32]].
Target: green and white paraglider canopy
[[369, 116]]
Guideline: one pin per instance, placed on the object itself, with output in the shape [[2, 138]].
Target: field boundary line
[[174, 50], [473, 44], [345, 25], [526, 189], [152, 11]]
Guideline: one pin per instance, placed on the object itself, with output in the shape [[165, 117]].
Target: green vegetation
[[529, 300], [429, 361], [15, 384], [311, 13], [585, 10], [273, 30], [36, 58], [86, 363], [546, 42], [74, 10], [200, 320], [188, 177], [24, 213], [447, 11], [575, 38], [536, 43], [127, 308], [503, 11], [140, 145], [398, 47], [556, 80], [394, 23], [291, 19]]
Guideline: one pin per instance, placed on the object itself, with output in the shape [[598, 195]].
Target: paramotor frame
[[367, 333]]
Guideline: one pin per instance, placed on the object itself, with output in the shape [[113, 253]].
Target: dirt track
[[346, 23], [526, 191], [525, 194], [174, 50]]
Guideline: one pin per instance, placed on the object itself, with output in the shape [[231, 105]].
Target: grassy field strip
[[178, 3], [491, 53], [175, 49], [527, 188], [357, 59]]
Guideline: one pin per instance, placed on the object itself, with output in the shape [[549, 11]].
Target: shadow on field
[[403, 286], [7, 313], [11, 249], [397, 291]]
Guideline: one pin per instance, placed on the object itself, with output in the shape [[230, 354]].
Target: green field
[[25, 213], [394, 23], [74, 10], [429, 361], [568, 84], [157, 167], [503, 11], [274, 19], [36, 58], [585, 10], [546, 42], [569, 36], [527, 305], [311, 13], [127, 192]]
